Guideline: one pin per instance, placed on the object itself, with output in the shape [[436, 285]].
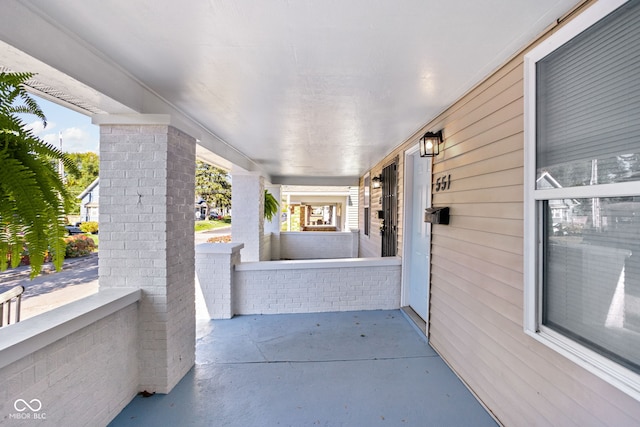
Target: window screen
[[588, 104]]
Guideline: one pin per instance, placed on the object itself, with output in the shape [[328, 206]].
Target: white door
[[417, 247]]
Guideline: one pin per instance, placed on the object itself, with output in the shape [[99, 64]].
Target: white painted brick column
[[147, 240], [215, 264], [247, 224]]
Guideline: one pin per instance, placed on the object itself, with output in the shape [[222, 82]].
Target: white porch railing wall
[[215, 271], [313, 286], [75, 365], [267, 247], [318, 244], [231, 287]]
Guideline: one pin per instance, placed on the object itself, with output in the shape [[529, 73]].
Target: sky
[[78, 134]]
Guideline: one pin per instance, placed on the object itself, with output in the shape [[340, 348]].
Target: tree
[[33, 198], [213, 185], [88, 167]]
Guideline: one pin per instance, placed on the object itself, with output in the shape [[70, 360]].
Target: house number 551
[[443, 183]]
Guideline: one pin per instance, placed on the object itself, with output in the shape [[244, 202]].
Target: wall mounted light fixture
[[430, 144], [376, 181]]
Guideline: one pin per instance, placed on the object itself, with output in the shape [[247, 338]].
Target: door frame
[[407, 212]]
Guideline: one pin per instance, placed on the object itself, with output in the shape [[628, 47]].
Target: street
[[78, 279], [216, 232], [75, 271]]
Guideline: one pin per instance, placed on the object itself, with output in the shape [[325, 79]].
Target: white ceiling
[[304, 91]]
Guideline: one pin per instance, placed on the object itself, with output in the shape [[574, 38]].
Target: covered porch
[[357, 368], [298, 93]]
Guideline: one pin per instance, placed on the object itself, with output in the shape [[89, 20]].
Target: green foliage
[[79, 245], [294, 219], [87, 169], [203, 226], [210, 225], [213, 185], [270, 205], [89, 227], [33, 199]]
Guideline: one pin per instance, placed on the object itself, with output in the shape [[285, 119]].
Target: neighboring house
[[561, 209], [201, 208], [89, 202]]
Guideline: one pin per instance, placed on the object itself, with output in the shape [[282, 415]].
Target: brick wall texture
[[317, 290], [247, 227], [316, 245], [215, 273], [102, 357], [146, 240]]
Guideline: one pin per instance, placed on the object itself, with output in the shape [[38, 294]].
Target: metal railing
[[6, 298]]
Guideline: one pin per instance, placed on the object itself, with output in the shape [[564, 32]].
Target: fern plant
[[270, 205], [33, 198]]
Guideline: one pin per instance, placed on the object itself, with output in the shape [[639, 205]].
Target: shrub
[[89, 227], [25, 259], [79, 245]]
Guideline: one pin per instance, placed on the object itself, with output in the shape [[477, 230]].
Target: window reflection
[[592, 273], [620, 168]]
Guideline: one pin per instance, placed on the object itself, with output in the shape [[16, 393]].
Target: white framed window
[[582, 192]]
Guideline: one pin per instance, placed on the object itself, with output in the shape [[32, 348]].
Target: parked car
[[71, 229], [214, 215]]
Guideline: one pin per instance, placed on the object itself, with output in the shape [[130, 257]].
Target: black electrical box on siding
[[437, 215]]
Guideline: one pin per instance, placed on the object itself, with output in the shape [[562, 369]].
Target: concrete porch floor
[[325, 369]]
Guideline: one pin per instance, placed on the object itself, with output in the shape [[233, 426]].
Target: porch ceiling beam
[[316, 180]]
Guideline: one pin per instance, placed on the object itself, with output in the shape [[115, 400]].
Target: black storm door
[[390, 209]]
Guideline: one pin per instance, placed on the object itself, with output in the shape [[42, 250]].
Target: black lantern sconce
[[430, 144], [376, 181]]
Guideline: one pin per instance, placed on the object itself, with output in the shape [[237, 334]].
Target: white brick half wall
[[318, 244], [278, 287], [76, 365]]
